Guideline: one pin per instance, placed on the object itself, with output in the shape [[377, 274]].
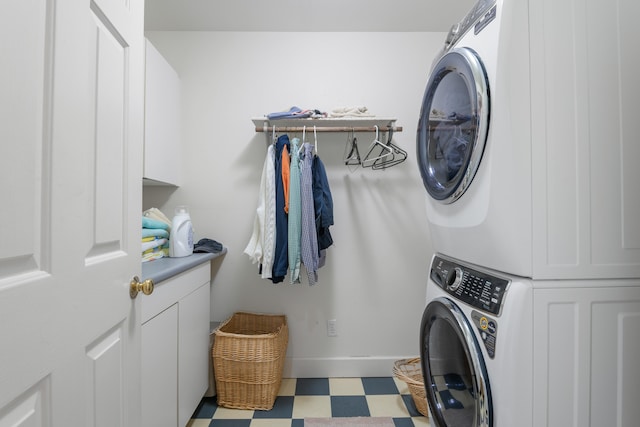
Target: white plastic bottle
[[181, 236]]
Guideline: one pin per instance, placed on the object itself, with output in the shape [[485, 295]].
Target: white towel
[[357, 111]]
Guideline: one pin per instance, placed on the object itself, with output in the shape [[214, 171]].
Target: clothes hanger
[[304, 130], [315, 140], [351, 152], [399, 155], [384, 153]]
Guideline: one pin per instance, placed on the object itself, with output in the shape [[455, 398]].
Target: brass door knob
[[136, 286]]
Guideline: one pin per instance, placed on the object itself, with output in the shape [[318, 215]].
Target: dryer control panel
[[476, 288]]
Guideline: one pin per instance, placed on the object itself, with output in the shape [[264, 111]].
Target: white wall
[[375, 277]]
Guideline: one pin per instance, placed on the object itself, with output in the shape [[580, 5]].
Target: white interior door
[[71, 122]]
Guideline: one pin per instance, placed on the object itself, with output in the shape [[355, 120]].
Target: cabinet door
[[162, 120], [160, 369], [193, 348]]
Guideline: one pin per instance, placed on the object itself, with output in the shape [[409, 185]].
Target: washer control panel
[[478, 289], [480, 15]]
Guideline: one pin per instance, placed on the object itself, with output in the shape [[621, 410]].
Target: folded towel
[[156, 243], [156, 249], [154, 232], [155, 213], [359, 111], [156, 253], [153, 223]]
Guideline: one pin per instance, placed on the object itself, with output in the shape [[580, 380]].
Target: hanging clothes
[[281, 256], [309, 237], [261, 246], [295, 214], [323, 203]]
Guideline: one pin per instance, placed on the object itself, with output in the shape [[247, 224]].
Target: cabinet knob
[[136, 286]]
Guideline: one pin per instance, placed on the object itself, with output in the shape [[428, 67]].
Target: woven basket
[[409, 371], [248, 356]]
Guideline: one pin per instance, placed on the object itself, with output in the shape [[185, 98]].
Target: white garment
[[261, 246], [358, 111]]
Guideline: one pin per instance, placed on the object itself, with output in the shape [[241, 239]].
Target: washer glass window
[[453, 125], [455, 376]]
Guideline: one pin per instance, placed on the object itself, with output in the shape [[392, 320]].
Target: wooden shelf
[[329, 124]]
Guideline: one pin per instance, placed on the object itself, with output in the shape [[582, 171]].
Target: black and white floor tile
[[320, 397]]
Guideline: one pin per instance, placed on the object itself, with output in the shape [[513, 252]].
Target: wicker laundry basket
[[410, 371], [248, 356]]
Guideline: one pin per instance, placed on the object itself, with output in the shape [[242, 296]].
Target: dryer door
[[455, 376], [453, 126]]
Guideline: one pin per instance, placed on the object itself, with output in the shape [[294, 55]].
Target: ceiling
[[304, 15]]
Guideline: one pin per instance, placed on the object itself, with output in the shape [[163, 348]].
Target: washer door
[[455, 376], [453, 126]]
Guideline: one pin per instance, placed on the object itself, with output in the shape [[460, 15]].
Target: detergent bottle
[[181, 236]]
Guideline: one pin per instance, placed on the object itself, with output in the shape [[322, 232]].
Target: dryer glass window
[[451, 376], [455, 376], [453, 124]]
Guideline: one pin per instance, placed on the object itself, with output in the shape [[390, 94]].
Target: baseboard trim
[[340, 367]]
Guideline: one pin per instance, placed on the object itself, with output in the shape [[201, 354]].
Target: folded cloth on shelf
[[153, 244], [207, 245], [358, 111], [154, 223], [292, 113], [154, 232], [155, 253], [155, 213]]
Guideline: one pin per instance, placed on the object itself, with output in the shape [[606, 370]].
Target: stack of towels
[[155, 235]]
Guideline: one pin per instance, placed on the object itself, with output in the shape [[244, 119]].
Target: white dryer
[[473, 143], [527, 154]]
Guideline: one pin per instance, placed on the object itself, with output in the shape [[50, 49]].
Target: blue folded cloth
[[293, 113], [155, 232], [153, 223]]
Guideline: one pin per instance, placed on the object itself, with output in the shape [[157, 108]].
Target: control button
[[491, 326], [483, 323]]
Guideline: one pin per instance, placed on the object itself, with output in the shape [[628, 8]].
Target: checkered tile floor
[[320, 397]]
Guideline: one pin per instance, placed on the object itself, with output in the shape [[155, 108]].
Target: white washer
[[476, 347], [527, 154]]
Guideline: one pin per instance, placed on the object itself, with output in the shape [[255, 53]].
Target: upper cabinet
[[162, 157]]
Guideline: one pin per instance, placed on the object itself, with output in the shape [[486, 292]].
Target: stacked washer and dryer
[[528, 147]]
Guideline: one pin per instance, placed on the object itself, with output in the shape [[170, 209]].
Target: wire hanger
[[384, 153], [351, 152], [398, 155]]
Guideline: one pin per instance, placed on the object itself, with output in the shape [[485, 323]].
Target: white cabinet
[[160, 369], [175, 348], [193, 350], [162, 157], [585, 353]]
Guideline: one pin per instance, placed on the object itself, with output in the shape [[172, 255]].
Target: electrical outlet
[[332, 330]]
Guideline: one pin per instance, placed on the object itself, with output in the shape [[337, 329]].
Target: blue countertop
[[165, 268]]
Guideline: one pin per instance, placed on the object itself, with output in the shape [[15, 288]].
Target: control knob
[[454, 279]]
